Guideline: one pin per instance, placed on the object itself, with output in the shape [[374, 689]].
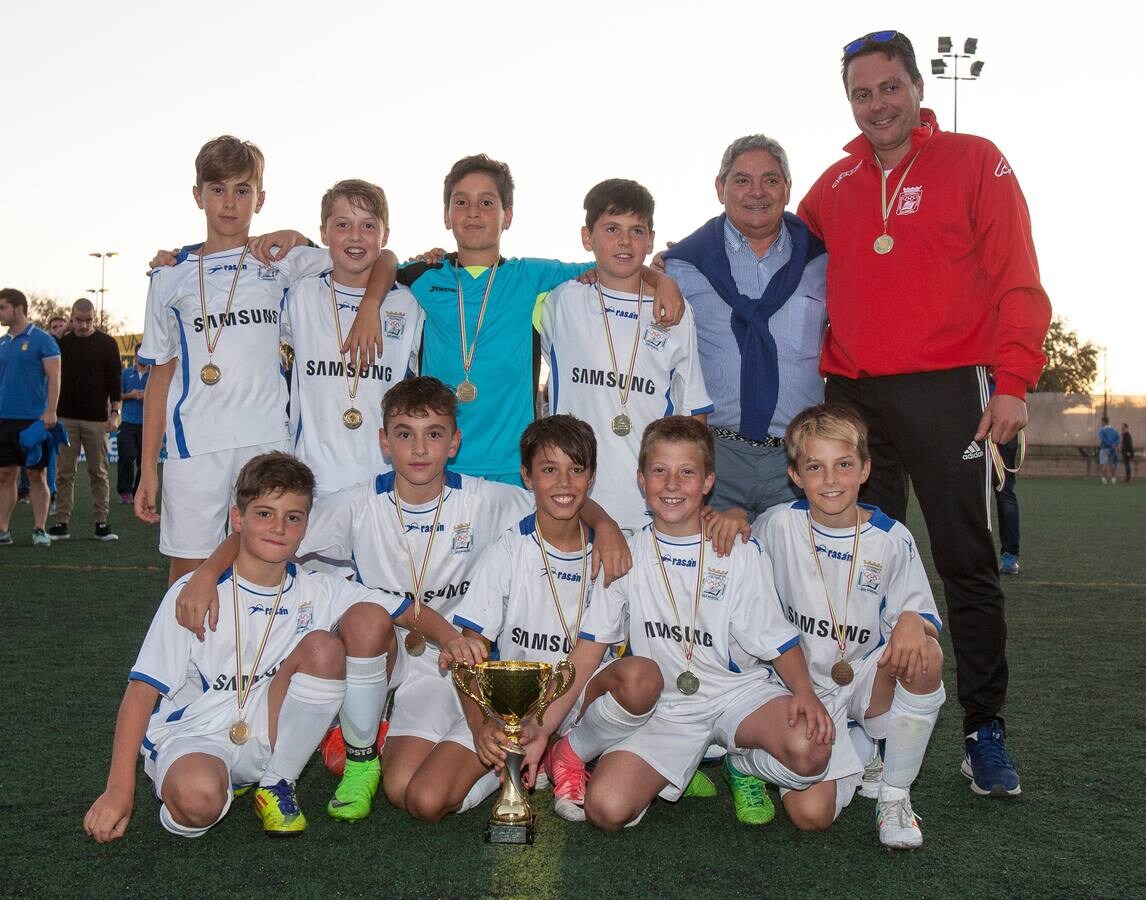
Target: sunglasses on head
[[878, 37]]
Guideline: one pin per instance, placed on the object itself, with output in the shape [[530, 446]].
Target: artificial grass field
[[74, 616]]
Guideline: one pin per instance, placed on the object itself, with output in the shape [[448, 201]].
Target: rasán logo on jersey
[[909, 200]]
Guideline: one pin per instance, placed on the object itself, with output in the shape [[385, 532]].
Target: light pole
[[939, 67], [102, 257]]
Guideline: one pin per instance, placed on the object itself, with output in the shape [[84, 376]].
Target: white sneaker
[[872, 776], [898, 827], [568, 810]]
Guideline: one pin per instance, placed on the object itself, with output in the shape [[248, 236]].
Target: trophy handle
[[464, 674], [560, 680]]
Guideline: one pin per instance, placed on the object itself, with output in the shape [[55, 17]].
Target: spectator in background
[[133, 382], [89, 410], [29, 388], [1127, 448], [1108, 444], [1007, 505], [57, 327]]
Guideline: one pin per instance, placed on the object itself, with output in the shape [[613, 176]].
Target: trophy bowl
[[512, 691]]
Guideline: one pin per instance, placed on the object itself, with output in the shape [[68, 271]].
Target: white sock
[[603, 724], [366, 687], [482, 788], [307, 709], [909, 726], [767, 768]]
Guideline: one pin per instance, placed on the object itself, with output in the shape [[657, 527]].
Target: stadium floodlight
[[103, 258], [939, 66]]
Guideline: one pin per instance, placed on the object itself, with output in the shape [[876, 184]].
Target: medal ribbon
[[571, 639], [885, 205], [468, 355], [244, 690], [672, 598], [999, 465], [212, 342], [351, 387], [627, 389], [418, 577], [838, 629]]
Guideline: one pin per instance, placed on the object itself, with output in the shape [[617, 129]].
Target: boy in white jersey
[[531, 588], [336, 405], [415, 532], [851, 581], [211, 336], [705, 621], [609, 363], [268, 681]]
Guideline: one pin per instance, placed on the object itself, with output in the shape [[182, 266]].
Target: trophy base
[[518, 833]]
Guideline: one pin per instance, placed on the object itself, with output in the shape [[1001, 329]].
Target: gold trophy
[[512, 691]]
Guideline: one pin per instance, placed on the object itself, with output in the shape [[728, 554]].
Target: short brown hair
[[896, 47], [358, 193], [617, 197], [15, 299], [830, 422], [273, 473], [495, 169], [567, 433], [678, 430], [228, 157], [422, 394]]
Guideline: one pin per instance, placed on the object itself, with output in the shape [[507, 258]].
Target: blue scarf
[[759, 370]]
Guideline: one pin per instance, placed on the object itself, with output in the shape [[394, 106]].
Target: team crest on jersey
[[268, 273], [305, 618], [713, 584], [463, 538], [870, 576], [909, 200], [655, 337], [24, 346], [394, 324]]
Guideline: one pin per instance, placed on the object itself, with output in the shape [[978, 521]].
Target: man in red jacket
[[932, 284]]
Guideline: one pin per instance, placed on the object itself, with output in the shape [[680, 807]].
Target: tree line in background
[[1072, 364]]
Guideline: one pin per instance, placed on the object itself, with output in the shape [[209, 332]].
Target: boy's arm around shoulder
[[109, 815]]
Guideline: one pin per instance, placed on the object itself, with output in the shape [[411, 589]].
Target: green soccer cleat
[[700, 785], [749, 796], [277, 808], [355, 792]]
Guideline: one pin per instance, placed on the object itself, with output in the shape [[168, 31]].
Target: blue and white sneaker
[[1009, 564], [988, 764], [5, 538]]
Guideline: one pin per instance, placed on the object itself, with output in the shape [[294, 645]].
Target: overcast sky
[[105, 105]]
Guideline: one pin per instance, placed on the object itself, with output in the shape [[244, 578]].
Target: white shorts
[[245, 763], [850, 703], [427, 705], [674, 749], [197, 496], [1107, 457]]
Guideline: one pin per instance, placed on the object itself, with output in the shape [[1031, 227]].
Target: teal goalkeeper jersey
[[502, 369]]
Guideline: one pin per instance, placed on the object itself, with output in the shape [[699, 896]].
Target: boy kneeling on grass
[[271, 677]]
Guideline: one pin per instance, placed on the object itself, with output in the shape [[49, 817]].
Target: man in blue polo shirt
[[756, 280], [29, 389], [129, 440]]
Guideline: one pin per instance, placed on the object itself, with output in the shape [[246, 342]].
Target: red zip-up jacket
[[961, 285]]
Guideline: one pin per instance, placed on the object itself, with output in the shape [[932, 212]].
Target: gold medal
[[883, 244], [467, 392], [240, 733], [415, 643], [842, 673], [210, 374], [352, 418], [687, 683], [286, 356], [622, 424]]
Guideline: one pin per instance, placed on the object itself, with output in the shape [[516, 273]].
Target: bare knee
[[195, 801], [424, 802], [802, 756], [808, 816], [639, 685], [395, 789], [321, 654], [608, 809], [366, 630]]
